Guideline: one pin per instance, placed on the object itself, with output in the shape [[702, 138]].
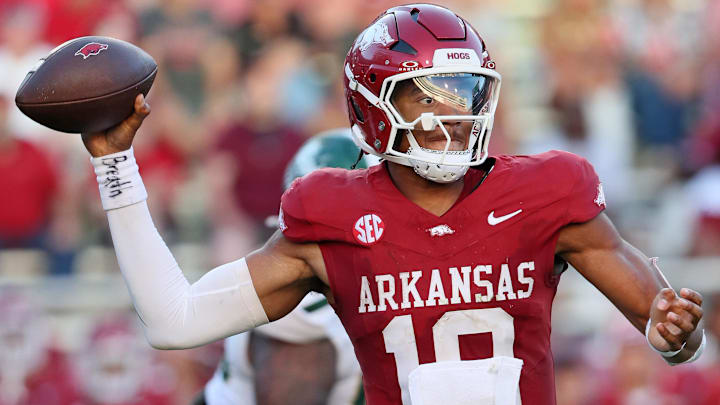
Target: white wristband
[[699, 351], [668, 355], [119, 180]]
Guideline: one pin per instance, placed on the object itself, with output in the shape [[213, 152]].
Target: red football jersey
[[412, 288]]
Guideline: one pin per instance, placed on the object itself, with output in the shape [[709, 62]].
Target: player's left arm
[[635, 285]]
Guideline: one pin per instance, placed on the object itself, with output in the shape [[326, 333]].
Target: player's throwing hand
[[119, 137]]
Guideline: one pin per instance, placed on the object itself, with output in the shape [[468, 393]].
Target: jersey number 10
[[399, 337]]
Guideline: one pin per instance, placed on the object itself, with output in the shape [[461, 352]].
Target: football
[[87, 84]]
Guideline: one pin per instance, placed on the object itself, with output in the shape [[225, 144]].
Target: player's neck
[[435, 198]]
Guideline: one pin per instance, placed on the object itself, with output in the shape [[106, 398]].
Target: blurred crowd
[[616, 367], [112, 364], [632, 85]]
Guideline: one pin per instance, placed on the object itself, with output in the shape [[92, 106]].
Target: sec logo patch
[[368, 229]]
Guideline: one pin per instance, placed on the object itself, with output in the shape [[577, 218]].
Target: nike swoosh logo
[[492, 220]]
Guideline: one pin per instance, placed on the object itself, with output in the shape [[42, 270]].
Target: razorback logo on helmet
[[368, 229], [90, 49], [375, 34]]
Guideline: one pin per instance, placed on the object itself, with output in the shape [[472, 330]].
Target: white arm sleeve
[[175, 314]]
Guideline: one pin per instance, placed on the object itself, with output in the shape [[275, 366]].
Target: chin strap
[[359, 158], [354, 85]]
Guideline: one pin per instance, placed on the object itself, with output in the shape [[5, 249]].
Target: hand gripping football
[[87, 84]]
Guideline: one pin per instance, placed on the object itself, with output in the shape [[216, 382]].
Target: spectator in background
[[332, 112], [571, 371], [267, 22], [703, 192], [329, 26], [29, 202], [631, 376], [246, 168], [661, 42], [310, 82], [570, 382], [228, 13], [223, 90], [32, 370], [191, 369], [21, 47], [589, 106], [176, 33], [67, 19], [115, 367], [118, 22], [710, 62], [703, 157], [328, 32]]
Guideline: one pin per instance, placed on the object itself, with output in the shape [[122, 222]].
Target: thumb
[[666, 296], [141, 109]]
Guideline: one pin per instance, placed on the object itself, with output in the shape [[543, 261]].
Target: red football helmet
[[445, 62]]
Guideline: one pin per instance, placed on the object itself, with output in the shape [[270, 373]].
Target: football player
[[306, 356], [442, 263]]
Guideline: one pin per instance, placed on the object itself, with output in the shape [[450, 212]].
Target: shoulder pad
[[312, 208], [582, 190]]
